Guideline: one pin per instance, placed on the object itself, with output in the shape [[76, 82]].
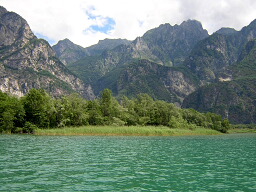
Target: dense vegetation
[[38, 109]]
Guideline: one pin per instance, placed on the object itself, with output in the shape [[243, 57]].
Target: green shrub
[[29, 128]]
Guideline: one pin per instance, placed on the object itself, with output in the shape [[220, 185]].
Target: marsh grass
[[125, 131]]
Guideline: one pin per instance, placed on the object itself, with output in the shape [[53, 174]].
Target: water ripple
[[80, 163]]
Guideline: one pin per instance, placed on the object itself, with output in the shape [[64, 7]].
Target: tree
[[39, 108], [72, 110], [94, 112], [144, 108], [109, 106], [11, 113], [128, 114]]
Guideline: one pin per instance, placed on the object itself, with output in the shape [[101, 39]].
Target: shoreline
[[124, 131]]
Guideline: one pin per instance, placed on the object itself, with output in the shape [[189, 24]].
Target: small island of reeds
[[125, 131]]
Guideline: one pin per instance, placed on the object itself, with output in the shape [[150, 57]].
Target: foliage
[[71, 111], [29, 128], [11, 113], [38, 110]]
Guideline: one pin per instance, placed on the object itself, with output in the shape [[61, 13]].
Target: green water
[[89, 163]]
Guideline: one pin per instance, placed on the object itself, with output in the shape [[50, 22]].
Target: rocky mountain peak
[[195, 27], [253, 23], [249, 32], [13, 29], [65, 44], [172, 44], [2, 10], [104, 44], [226, 31], [191, 23]]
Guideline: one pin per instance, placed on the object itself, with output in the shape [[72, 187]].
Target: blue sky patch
[[50, 41], [109, 25]]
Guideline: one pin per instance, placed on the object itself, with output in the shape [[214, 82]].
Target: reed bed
[[125, 131]]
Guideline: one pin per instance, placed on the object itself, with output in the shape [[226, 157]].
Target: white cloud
[[73, 19]]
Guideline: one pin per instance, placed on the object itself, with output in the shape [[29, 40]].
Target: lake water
[[98, 163]]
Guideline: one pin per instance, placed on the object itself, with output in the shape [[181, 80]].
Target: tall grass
[[125, 131]]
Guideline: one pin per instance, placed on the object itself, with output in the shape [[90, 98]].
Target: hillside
[[235, 98], [142, 76]]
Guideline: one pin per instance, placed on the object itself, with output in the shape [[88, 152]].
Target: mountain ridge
[[68, 52], [158, 45]]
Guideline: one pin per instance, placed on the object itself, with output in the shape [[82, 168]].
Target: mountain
[[181, 64], [142, 76], [165, 45], [27, 62], [68, 52], [172, 44], [215, 54], [226, 31], [234, 100], [105, 45], [234, 95]]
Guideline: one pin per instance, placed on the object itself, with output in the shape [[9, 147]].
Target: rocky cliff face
[[27, 62], [233, 95], [172, 44], [234, 100], [143, 76], [218, 52]]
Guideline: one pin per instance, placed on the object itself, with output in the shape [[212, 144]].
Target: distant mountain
[[226, 31], [105, 45], [68, 52], [27, 62], [166, 45]]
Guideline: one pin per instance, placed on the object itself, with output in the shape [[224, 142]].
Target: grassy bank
[[125, 131]]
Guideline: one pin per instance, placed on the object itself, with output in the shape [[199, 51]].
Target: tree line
[[39, 110]]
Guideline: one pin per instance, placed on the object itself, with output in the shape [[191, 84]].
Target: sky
[[85, 22]]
